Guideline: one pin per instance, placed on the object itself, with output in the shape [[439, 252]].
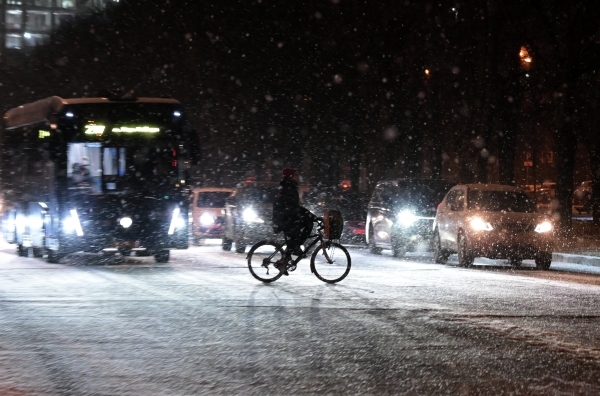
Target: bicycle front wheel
[[330, 262], [261, 261]]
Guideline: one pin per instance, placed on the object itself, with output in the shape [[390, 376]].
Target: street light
[[525, 57]]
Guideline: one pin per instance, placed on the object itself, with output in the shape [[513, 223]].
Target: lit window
[[65, 3], [13, 41]]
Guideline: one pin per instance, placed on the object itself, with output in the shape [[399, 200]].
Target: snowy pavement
[[202, 325]]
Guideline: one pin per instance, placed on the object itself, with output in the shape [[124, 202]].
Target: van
[[207, 219]]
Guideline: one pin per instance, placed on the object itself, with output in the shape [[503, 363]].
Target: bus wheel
[[21, 251], [162, 256]]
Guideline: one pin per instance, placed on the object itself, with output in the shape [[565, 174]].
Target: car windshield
[[500, 201], [212, 199], [421, 195]]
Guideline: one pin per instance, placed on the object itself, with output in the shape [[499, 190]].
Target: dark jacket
[[286, 208]]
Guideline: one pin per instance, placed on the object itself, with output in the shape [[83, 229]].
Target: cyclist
[[290, 217]]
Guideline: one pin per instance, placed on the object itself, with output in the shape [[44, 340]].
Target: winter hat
[[289, 173]]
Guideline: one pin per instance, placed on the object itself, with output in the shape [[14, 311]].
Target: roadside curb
[[576, 259]]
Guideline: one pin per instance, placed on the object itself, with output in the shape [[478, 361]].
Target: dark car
[[248, 214], [352, 206], [401, 212]]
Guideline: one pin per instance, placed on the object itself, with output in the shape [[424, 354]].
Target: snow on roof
[[41, 110]]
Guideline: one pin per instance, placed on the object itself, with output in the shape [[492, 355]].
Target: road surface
[[202, 324]]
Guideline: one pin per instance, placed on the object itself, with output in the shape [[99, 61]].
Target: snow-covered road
[[203, 325]]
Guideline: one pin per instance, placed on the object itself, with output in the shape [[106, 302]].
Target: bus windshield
[[95, 168]]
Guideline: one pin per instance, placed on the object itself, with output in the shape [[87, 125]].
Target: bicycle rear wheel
[[332, 263], [261, 261]]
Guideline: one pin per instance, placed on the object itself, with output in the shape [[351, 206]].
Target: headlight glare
[[72, 224], [250, 216], [206, 219], [478, 224], [126, 222], [406, 218], [543, 227], [177, 222], [68, 225]]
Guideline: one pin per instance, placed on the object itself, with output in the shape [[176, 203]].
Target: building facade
[[27, 23]]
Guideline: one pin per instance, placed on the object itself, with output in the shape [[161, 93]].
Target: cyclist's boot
[[281, 265]]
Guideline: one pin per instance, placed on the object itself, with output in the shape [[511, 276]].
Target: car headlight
[[126, 222], [206, 219], [249, 215], [406, 218], [544, 226], [478, 224]]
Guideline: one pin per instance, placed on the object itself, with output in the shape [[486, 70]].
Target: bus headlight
[[35, 222], [68, 225]]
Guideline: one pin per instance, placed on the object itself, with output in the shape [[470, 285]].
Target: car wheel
[[465, 258], [226, 244], [440, 256], [543, 260], [515, 262], [240, 247], [162, 256], [372, 248]]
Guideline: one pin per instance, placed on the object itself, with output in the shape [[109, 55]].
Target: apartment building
[[27, 23]]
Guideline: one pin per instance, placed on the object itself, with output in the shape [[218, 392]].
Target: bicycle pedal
[[292, 268]]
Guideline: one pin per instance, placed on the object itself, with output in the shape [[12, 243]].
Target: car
[[207, 219], [400, 214], [248, 214], [495, 221], [352, 206]]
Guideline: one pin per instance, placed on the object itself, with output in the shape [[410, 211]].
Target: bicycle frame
[[318, 237]]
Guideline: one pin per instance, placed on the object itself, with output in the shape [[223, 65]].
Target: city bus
[[96, 175]]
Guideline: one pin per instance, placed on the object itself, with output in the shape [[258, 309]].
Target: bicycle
[[325, 263]]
